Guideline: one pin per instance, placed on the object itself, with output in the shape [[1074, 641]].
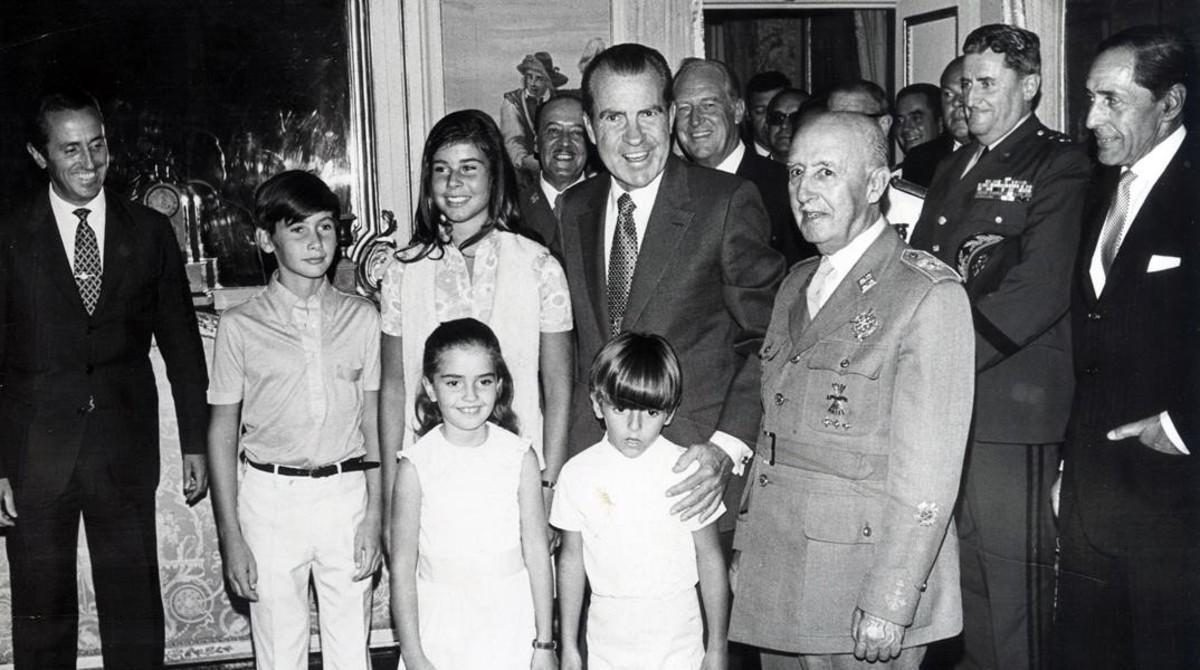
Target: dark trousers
[[1006, 551], [1126, 611], [120, 527]]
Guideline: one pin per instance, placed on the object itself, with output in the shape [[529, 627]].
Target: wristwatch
[[549, 646]]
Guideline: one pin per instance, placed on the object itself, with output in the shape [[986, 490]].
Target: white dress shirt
[[68, 223], [552, 193], [733, 160]]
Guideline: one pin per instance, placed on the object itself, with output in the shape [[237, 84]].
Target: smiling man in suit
[[562, 158], [1130, 583], [1005, 212], [663, 246], [86, 280], [708, 112]]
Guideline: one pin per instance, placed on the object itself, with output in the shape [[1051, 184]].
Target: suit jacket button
[[941, 220], [763, 480], [845, 363], [937, 248], [779, 398]]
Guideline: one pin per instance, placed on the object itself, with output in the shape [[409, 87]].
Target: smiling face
[[1125, 118], [305, 249], [562, 141], [465, 388], [916, 122], [630, 430], [834, 191], [631, 126], [706, 115], [75, 155], [461, 187], [996, 96]]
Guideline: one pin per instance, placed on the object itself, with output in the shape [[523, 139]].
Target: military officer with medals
[[846, 552], [1006, 211]]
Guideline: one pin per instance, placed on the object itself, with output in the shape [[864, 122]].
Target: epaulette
[[929, 265], [1055, 136]]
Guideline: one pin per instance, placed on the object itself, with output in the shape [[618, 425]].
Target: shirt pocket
[[842, 388]]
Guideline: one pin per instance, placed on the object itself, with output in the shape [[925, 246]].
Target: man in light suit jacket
[[1129, 591], [1005, 212], [86, 279], [708, 113], [665, 247], [846, 552]]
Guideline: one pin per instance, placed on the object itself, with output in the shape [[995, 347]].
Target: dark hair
[[733, 87], [469, 126], [69, 99], [766, 81], [1021, 48], [555, 96], [463, 334], [931, 93], [291, 196], [627, 60], [637, 371], [1162, 57], [868, 88]]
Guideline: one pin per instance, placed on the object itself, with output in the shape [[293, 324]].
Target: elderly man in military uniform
[[847, 555], [1005, 211]]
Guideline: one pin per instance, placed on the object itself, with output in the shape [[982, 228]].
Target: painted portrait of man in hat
[[519, 107]]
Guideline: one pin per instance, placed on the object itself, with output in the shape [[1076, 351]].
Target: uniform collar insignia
[[866, 282]]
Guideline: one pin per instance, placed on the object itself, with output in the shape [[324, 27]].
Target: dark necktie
[[622, 259], [1114, 223], [87, 261], [558, 206]]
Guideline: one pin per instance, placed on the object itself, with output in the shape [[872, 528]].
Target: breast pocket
[[842, 388]]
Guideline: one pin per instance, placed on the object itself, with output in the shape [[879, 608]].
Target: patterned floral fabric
[[457, 296], [202, 623]]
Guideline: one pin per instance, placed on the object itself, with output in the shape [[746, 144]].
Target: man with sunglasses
[[708, 112], [782, 115]]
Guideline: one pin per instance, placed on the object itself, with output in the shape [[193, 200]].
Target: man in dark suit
[[921, 161], [1130, 522], [86, 279], [1005, 212], [562, 157], [666, 247], [708, 112]]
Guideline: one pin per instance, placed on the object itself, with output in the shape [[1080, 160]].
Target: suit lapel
[[591, 242], [841, 306], [118, 248], [51, 259], [669, 220]]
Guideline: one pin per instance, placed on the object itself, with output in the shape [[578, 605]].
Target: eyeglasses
[[778, 118]]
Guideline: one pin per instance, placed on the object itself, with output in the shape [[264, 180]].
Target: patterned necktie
[[819, 287], [87, 261], [622, 259], [1114, 224]]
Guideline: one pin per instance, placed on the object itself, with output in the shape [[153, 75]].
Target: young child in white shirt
[[642, 562]]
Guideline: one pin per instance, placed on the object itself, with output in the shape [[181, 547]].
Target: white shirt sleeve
[[737, 450], [1172, 434]]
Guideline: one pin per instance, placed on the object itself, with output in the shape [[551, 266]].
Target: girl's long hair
[[430, 236], [463, 334]]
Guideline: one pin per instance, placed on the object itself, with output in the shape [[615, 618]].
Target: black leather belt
[[349, 465]]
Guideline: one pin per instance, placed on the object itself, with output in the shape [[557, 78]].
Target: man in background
[[708, 112], [759, 90], [921, 162], [562, 157], [782, 115]]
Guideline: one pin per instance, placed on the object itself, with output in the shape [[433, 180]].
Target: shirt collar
[[844, 259], [643, 197], [552, 193], [733, 160], [282, 300], [1150, 167], [1010, 131], [65, 211]]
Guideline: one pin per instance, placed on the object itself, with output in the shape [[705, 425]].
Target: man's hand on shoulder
[[1149, 432], [8, 508], [705, 486], [875, 639], [195, 478]]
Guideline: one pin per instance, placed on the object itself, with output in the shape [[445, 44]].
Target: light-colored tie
[[983, 150], [819, 287], [622, 259], [87, 261], [1112, 234]]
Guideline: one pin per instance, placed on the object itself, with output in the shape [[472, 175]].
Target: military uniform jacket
[[1026, 196], [849, 499]]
